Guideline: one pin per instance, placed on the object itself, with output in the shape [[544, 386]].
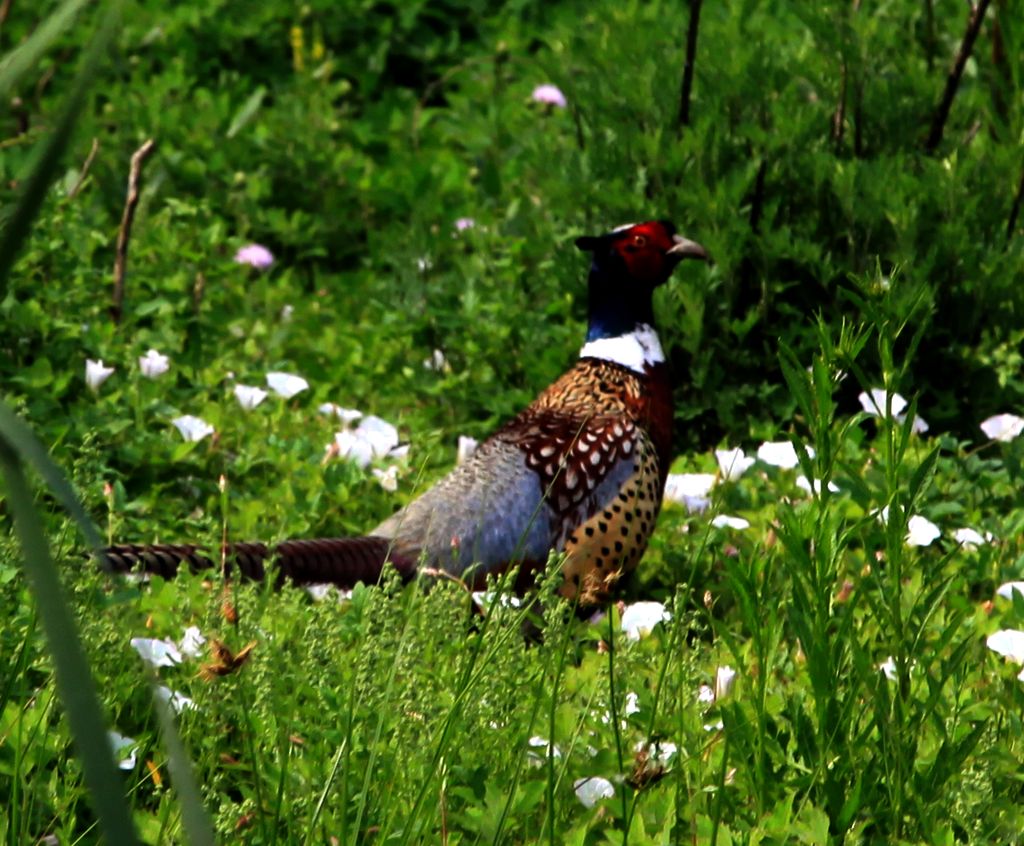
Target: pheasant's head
[[642, 252]]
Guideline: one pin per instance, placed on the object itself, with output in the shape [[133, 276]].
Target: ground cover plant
[[364, 208]]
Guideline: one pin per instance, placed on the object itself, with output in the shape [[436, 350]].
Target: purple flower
[[549, 95], [255, 255]]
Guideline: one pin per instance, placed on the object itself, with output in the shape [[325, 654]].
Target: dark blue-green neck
[[616, 304]]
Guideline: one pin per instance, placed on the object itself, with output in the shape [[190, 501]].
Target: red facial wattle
[[644, 250]]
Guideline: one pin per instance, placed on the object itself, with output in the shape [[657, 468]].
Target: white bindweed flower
[[153, 364], [919, 426], [388, 478], [123, 749], [921, 531], [192, 428], [467, 446], [1003, 427], [96, 373], [724, 521], [287, 312], [780, 454], [486, 598], [320, 592], [539, 750], [874, 403], [592, 790], [249, 396], [725, 678], [814, 487], [732, 463], [1007, 589], [640, 618], [706, 694], [345, 415], [464, 223], [379, 434], [157, 653], [549, 95], [191, 642], [348, 445], [888, 667], [970, 539], [437, 361], [632, 705], [689, 490], [286, 385], [178, 701], [1009, 643]]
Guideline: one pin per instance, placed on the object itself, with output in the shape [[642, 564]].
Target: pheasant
[[580, 471]]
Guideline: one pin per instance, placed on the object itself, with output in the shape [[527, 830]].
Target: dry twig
[[974, 20], [691, 59], [84, 172], [125, 230]]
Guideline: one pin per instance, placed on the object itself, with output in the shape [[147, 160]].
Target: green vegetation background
[[348, 138]]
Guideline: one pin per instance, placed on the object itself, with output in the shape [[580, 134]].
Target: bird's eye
[[639, 241]]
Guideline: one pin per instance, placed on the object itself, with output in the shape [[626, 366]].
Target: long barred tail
[[340, 561]]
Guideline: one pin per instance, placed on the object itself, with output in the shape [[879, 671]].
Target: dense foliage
[[420, 206]]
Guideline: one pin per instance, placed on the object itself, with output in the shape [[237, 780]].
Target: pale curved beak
[[685, 248]]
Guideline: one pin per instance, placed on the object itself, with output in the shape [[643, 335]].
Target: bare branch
[[84, 172], [691, 58], [5, 10], [974, 20], [125, 230]]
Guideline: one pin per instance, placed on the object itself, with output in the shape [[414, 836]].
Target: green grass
[[349, 139]]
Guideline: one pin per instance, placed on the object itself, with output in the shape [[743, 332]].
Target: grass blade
[[74, 681], [19, 61]]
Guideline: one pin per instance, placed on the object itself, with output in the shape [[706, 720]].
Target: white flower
[[123, 748], [1008, 643], [345, 415], [640, 618], [255, 255], [467, 446], [157, 653], [1007, 589], [814, 487], [725, 678], [249, 396], [725, 521], [918, 427], [549, 95], [689, 490], [874, 403], [592, 790], [632, 705], [153, 364], [388, 478], [714, 726], [536, 758], [970, 539], [437, 361], [320, 592], [486, 598], [921, 531], [286, 385], [191, 642], [780, 454], [423, 264], [464, 223], [706, 694], [1003, 427], [192, 428], [287, 312], [379, 434], [96, 373], [888, 666], [399, 452], [732, 463], [352, 447], [178, 701]]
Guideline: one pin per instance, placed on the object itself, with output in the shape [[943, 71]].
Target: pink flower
[[255, 255], [464, 223], [549, 95]]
